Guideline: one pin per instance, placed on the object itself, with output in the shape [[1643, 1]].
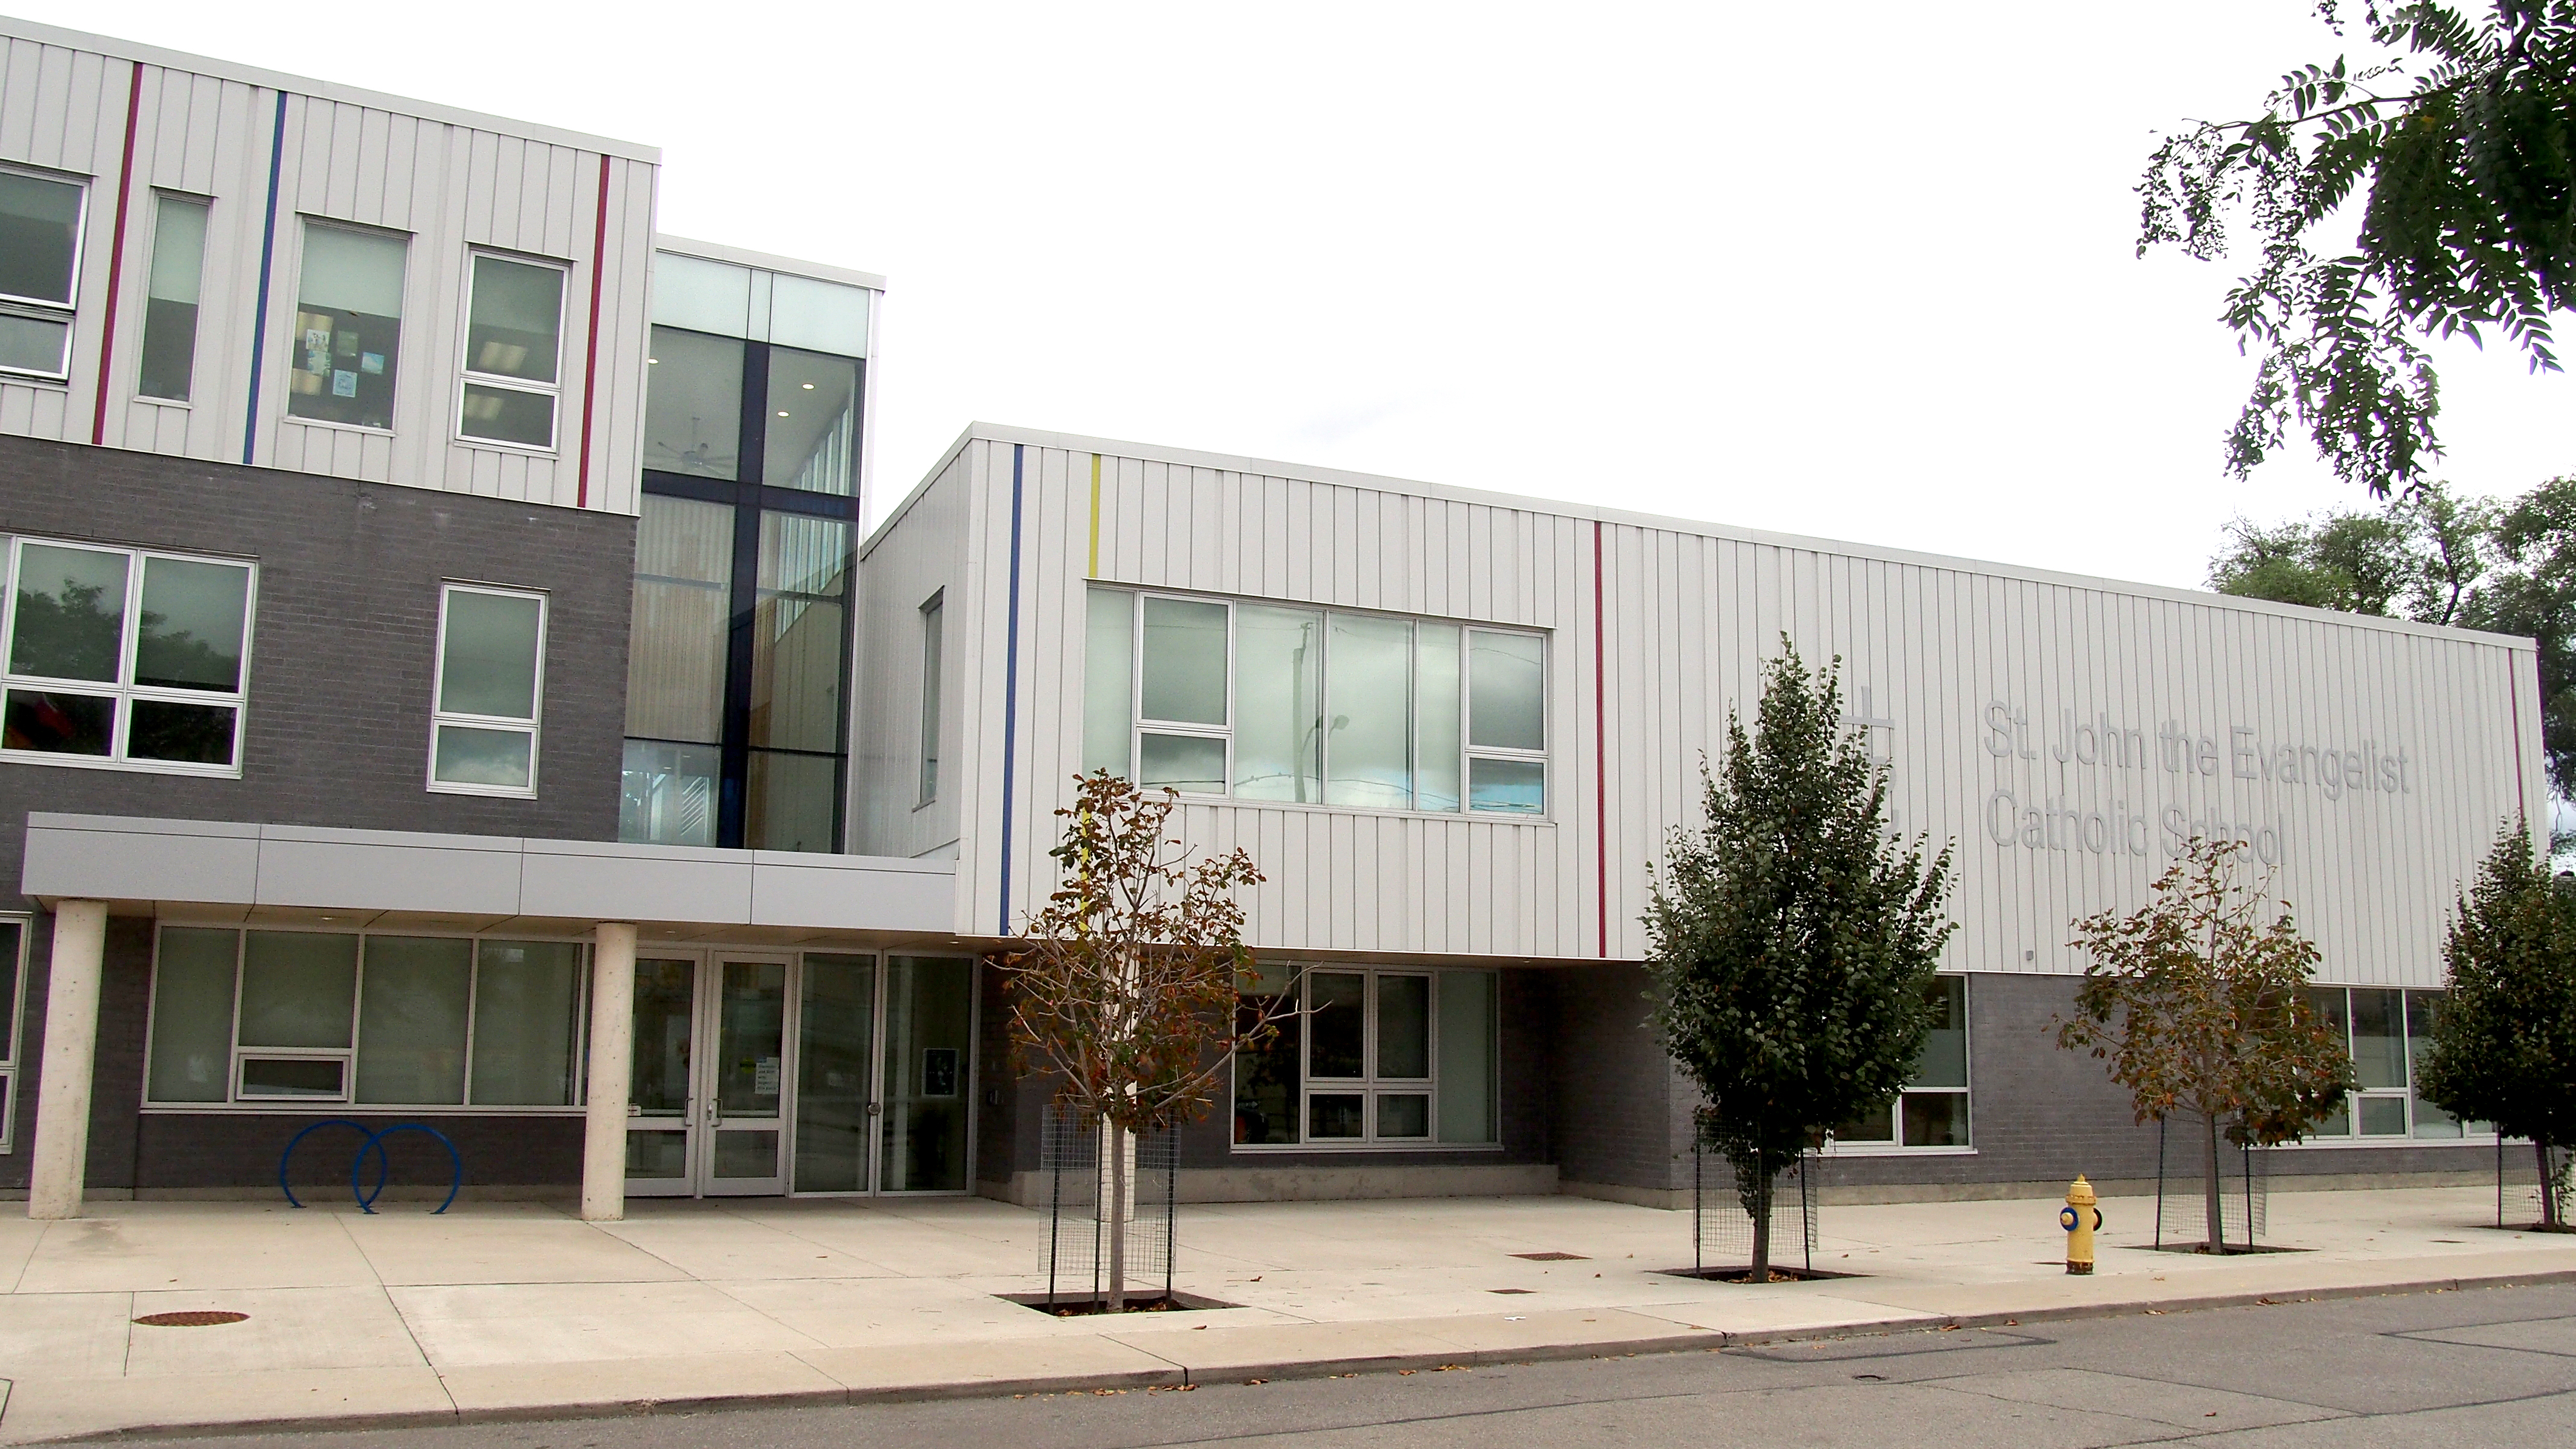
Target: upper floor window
[[933, 624], [125, 657], [491, 682], [348, 326], [169, 365], [40, 247], [1271, 702], [513, 353]]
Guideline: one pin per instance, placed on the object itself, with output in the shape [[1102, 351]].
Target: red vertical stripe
[[590, 364], [116, 256], [1600, 745]]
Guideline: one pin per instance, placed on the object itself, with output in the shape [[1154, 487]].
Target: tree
[[2504, 1040], [1792, 938], [1128, 988], [2196, 1003], [2459, 134]]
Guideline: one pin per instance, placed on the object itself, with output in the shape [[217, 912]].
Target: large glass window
[[1373, 1057], [40, 248], [2388, 1030], [513, 352], [1263, 702], [348, 326], [693, 404], [13, 997], [377, 1020], [169, 364], [675, 672], [491, 683], [812, 422], [799, 633], [1932, 1111], [122, 657]]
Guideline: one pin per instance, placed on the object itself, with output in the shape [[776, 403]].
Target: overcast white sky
[[1860, 271]]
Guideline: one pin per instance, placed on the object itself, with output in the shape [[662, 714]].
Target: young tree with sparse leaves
[[2197, 1001], [1128, 988], [2504, 1039], [1792, 937]]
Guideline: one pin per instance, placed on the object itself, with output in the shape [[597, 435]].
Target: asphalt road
[[2487, 1367]]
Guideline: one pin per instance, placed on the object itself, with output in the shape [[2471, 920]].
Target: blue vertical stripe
[[1011, 681], [267, 265]]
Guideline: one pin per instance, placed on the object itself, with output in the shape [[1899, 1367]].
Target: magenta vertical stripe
[[116, 257], [1600, 744], [590, 367]]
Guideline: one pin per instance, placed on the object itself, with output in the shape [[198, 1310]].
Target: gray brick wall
[[337, 728]]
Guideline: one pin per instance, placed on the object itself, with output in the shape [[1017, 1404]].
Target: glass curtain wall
[[738, 669]]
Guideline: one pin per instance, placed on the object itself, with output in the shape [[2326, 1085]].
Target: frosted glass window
[[1504, 786], [1108, 680], [702, 295], [1467, 1022], [299, 989], [491, 656], [1506, 690], [675, 657], [192, 1016], [1403, 1026], [790, 801], [1437, 740], [693, 404], [822, 316], [1184, 661], [1371, 713], [1279, 698], [527, 1023], [799, 632], [1191, 764], [348, 327], [411, 1020], [168, 366], [667, 793], [933, 622]]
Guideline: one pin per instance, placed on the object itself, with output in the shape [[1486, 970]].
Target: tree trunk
[[1762, 1232], [1116, 1207], [2549, 1215], [2210, 1191]]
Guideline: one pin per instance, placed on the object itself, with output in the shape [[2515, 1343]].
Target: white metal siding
[[1691, 616], [922, 554]]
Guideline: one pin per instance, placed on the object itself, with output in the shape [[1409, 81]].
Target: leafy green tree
[[2504, 1040], [2532, 592], [1129, 986], [2457, 135], [2194, 1001], [1792, 937]]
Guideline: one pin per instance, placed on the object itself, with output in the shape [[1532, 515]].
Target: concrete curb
[[1178, 1376]]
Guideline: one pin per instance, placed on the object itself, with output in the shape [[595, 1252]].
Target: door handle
[[875, 1108]]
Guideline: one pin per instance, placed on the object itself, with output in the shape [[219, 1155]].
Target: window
[[348, 327], [1373, 1058], [491, 682], [282, 1017], [513, 350], [170, 299], [931, 624], [1932, 1111], [799, 636], [2389, 1030], [675, 672], [1266, 702], [125, 658], [13, 995], [40, 247]]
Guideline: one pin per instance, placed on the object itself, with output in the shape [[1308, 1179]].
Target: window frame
[[43, 309], [533, 726], [2352, 1137], [468, 377], [1895, 1144], [1369, 1085], [934, 666], [295, 310], [26, 923], [236, 1102], [1139, 725], [162, 198], [122, 691]]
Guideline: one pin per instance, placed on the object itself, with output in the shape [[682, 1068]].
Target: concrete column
[[60, 1163], [612, 1059]]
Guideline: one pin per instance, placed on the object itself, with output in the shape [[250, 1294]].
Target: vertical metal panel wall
[[1690, 614], [452, 181]]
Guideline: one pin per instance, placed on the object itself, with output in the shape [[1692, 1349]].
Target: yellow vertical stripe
[[1095, 516]]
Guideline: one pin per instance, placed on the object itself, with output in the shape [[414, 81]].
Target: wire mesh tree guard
[[2518, 1184], [1080, 1209], [2182, 1207], [1721, 1229]]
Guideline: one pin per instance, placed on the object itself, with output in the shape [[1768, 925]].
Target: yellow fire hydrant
[[2080, 1217]]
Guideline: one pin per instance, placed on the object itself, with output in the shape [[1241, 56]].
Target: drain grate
[[191, 1318], [1553, 1257]]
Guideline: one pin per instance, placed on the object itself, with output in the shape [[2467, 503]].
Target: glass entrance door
[[663, 1099]]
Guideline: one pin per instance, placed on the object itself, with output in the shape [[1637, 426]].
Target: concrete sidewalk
[[521, 1310]]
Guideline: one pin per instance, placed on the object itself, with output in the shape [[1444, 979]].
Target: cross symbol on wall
[[1860, 716]]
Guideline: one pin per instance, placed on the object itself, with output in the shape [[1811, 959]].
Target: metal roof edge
[[769, 262]]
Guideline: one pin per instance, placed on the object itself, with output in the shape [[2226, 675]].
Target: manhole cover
[[1553, 1257], [191, 1318]]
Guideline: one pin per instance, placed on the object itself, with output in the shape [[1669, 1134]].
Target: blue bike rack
[[374, 1147]]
